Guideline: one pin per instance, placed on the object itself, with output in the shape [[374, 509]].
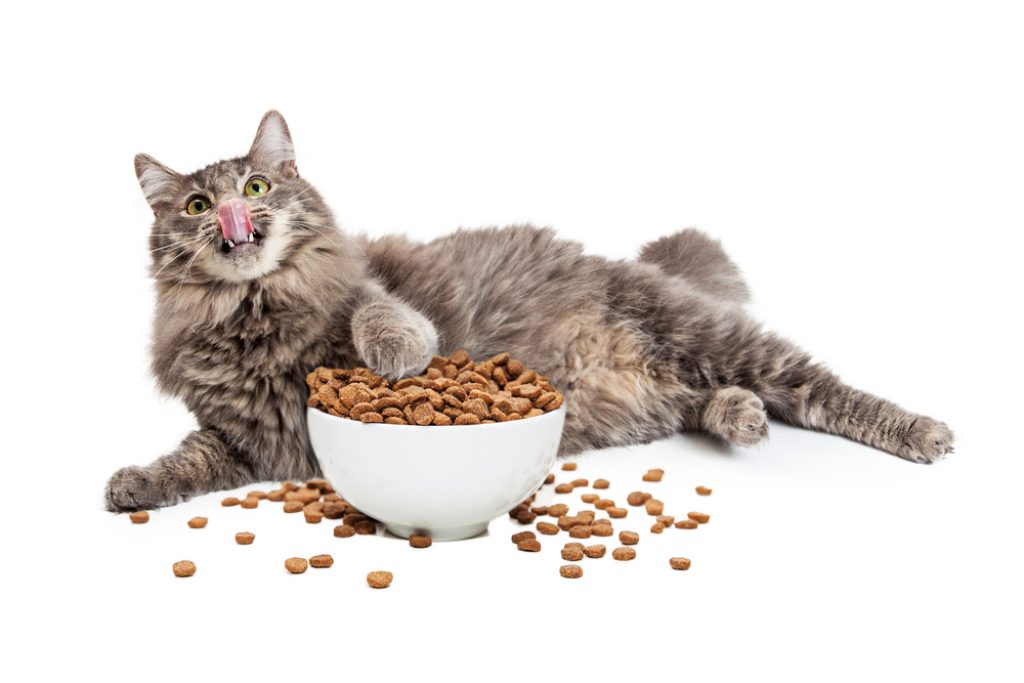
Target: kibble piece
[[571, 571], [529, 545], [601, 483], [564, 488], [353, 517], [624, 553], [703, 491], [602, 529], [666, 520], [638, 498], [558, 510], [229, 501], [580, 482], [654, 507], [629, 537], [379, 579], [139, 517], [184, 568], [617, 513], [256, 494], [680, 563], [522, 536], [296, 565], [686, 524], [653, 475], [249, 503], [699, 517], [657, 528], [594, 551], [550, 479], [420, 541], [197, 522], [568, 466], [365, 528], [573, 545], [321, 561], [276, 496], [292, 506], [539, 510], [547, 528], [590, 497], [313, 516], [581, 531], [344, 531], [245, 538], [334, 509], [586, 516], [526, 517], [572, 554], [604, 504]]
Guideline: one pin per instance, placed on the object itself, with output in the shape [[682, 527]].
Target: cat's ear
[[158, 182], [272, 148]]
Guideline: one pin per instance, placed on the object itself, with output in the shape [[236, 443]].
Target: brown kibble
[[522, 536], [197, 522], [573, 545], [529, 545], [353, 518], [604, 504], [568, 466], [686, 524], [617, 513], [526, 517], [580, 482], [601, 483], [334, 509], [539, 509], [572, 554], [624, 554], [245, 538], [420, 541], [293, 506], [313, 516], [260, 495], [289, 486], [365, 528], [590, 497], [139, 517], [344, 531], [654, 507], [276, 496], [638, 498], [602, 530], [550, 479], [229, 501], [184, 568], [653, 475], [296, 565], [467, 419], [564, 488], [379, 579], [680, 563], [657, 528], [581, 531], [321, 561], [558, 510], [703, 491], [249, 503], [629, 537], [371, 417], [699, 517], [547, 528], [594, 551]]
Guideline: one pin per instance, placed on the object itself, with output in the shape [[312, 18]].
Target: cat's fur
[[642, 348]]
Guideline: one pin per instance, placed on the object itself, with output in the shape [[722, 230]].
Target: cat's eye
[[256, 187], [197, 205]]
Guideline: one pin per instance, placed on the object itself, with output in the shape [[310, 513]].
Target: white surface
[[447, 483], [862, 165]]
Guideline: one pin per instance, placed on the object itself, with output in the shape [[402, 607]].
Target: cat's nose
[[235, 222]]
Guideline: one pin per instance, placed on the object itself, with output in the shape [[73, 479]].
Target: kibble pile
[[453, 390]]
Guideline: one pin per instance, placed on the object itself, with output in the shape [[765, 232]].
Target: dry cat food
[[321, 561], [344, 531], [184, 568], [379, 579], [568, 466], [601, 483], [699, 517], [629, 537], [571, 571], [245, 538], [140, 517], [229, 501], [572, 554], [680, 563], [686, 524], [522, 536], [638, 498], [249, 503], [452, 390], [594, 551], [624, 554], [654, 475], [703, 491], [547, 528], [197, 522], [420, 541], [296, 565], [529, 545]]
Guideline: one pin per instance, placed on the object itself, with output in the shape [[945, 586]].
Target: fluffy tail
[[692, 255]]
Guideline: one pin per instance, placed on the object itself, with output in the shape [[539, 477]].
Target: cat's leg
[[203, 462], [392, 338], [736, 415], [801, 392]]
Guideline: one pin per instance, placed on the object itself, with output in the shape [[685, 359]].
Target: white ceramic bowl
[[446, 482]]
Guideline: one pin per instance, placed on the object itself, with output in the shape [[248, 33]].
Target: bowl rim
[[380, 425]]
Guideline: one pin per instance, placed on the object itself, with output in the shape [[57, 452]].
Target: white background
[[861, 163]]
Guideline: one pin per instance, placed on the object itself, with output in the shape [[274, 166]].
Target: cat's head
[[235, 220]]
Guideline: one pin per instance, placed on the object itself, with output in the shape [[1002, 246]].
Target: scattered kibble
[[568, 466], [296, 565], [624, 554], [184, 568], [420, 541], [229, 501], [344, 531], [680, 563], [379, 579], [245, 538], [321, 561], [703, 491], [594, 551], [522, 536], [139, 517], [629, 537], [571, 571], [699, 517], [529, 545], [197, 522], [654, 475], [572, 554]]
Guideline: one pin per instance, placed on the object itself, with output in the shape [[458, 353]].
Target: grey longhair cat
[[256, 286]]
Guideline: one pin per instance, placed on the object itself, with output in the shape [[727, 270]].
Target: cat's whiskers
[[181, 278], [179, 244], [180, 254]]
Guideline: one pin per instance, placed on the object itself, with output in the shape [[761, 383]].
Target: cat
[[256, 286]]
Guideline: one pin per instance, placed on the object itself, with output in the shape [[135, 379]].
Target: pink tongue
[[235, 223]]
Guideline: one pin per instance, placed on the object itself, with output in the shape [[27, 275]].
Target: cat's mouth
[[252, 241], [237, 231]]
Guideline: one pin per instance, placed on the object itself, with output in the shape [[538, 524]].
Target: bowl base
[[454, 533]]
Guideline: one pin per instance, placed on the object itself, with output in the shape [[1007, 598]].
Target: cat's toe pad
[[926, 441]]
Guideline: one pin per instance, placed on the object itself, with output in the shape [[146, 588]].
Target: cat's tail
[[692, 255]]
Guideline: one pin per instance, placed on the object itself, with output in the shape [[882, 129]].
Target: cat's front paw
[[926, 441], [134, 488], [393, 341]]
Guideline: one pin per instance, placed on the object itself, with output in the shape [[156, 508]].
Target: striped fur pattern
[[642, 348]]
